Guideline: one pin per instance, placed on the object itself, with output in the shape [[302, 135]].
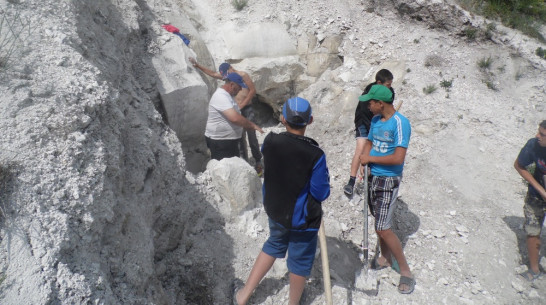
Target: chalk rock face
[[276, 79], [258, 40], [184, 94], [237, 183]]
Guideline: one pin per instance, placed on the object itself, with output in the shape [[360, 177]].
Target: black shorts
[[220, 149]]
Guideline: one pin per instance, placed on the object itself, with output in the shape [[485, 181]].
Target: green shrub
[[446, 84], [525, 15], [541, 52], [485, 63], [239, 4], [490, 85], [429, 89], [470, 33]]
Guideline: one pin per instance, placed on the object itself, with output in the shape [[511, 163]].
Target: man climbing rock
[[225, 123], [244, 101]]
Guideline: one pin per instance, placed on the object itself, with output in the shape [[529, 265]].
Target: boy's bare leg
[[533, 248], [259, 270], [355, 163], [385, 257], [395, 247], [297, 283]]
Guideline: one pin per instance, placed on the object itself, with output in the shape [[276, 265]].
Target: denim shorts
[[534, 215], [361, 132], [301, 247]]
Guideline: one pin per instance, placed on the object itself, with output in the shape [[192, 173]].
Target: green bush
[[524, 15], [541, 52], [429, 89], [485, 63], [471, 33], [239, 4], [446, 84]]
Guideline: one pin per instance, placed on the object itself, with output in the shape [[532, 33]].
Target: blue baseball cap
[[224, 67], [297, 111], [236, 78]]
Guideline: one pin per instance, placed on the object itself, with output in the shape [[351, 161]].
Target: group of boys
[[296, 178]]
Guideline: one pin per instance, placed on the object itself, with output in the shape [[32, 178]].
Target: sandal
[[236, 285], [406, 280], [530, 275]]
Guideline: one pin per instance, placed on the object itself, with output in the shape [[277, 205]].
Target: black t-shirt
[[363, 115], [534, 153]]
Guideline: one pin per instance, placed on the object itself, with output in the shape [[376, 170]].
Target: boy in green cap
[[385, 153]]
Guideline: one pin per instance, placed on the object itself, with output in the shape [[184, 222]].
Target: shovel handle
[[325, 264], [365, 215]]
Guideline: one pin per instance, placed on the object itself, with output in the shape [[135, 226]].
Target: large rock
[[185, 97], [237, 183], [276, 79], [258, 40]]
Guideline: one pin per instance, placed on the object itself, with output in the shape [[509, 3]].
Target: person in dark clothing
[[296, 181], [534, 152], [363, 117]]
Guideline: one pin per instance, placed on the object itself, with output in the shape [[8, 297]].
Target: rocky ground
[[99, 206], [459, 214]]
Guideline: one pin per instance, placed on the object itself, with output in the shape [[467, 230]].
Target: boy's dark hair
[[543, 124], [296, 127], [383, 75]]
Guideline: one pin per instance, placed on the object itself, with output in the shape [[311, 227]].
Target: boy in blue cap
[[385, 152], [296, 181]]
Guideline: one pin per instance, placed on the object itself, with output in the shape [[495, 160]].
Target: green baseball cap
[[378, 93]]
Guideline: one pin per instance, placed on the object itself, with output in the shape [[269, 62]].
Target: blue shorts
[[301, 247], [361, 132]]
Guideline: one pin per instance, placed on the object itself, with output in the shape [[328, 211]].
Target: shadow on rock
[[515, 223], [405, 223]]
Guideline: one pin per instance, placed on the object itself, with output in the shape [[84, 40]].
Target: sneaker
[[348, 190]]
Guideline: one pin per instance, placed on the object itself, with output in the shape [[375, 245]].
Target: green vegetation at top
[[524, 15], [239, 4]]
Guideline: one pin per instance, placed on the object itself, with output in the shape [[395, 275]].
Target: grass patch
[[491, 85], [239, 4], [429, 89], [485, 63], [446, 84], [541, 52], [471, 33]]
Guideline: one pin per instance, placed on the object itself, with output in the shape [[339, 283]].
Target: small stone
[[438, 234], [443, 281], [453, 213], [518, 286], [533, 294], [462, 229]]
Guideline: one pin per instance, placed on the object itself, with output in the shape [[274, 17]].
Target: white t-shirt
[[218, 126]]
